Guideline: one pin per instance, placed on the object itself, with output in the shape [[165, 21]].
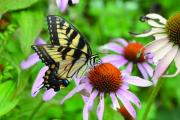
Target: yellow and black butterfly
[[67, 55]]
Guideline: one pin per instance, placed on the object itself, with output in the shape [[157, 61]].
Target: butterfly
[[67, 54]]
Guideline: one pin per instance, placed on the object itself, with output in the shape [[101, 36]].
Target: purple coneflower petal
[[75, 90], [162, 52], [124, 86], [91, 99], [129, 68], [109, 58], [40, 41], [119, 63], [100, 108], [114, 101], [75, 1], [164, 63], [127, 104], [155, 45], [49, 94], [113, 47], [131, 97], [156, 16], [142, 70], [148, 68], [137, 81], [85, 111], [32, 59], [38, 82], [121, 41], [62, 4]]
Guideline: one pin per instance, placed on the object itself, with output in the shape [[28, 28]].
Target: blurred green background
[[23, 21]]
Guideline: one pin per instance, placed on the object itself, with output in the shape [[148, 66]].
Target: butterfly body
[[66, 55]]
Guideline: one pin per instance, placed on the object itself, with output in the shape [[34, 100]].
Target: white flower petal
[[156, 16], [155, 45], [154, 23], [151, 32], [159, 54], [164, 63], [160, 36]]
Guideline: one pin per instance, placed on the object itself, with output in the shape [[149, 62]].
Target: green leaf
[[9, 5], [31, 23], [7, 100]]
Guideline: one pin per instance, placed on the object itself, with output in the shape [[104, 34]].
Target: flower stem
[[36, 110], [152, 98]]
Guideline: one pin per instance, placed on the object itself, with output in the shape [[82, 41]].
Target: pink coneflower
[[130, 54], [32, 60], [105, 79], [62, 4], [165, 46]]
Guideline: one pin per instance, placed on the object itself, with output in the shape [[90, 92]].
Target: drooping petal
[[112, 47], [62, 4], [85, 112], [91, 99], [49, 94], [75, 1], [100, 107], [119, 63], [131, 97], [151, 32], [164, 63], [137, 81], [127, 105], [156, 45], [129, 67], [114, 101], [121, 41], [38, 83], [142, 70], [160, 36], [71, 93], [153, 23], [109, 58], [40, 41], [32, 59], [162, 52], [148, 68], [177, 63], [155, 16], [124, 86]]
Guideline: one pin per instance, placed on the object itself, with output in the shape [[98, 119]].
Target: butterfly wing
[[65, 34]]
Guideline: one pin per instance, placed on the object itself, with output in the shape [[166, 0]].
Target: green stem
[[36, 110], [152, 98]]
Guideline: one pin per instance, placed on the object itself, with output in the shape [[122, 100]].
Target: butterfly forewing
[[65, 34]]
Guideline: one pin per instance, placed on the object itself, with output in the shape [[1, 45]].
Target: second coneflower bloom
[[105, 79], [166, 44], [128, 54]]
